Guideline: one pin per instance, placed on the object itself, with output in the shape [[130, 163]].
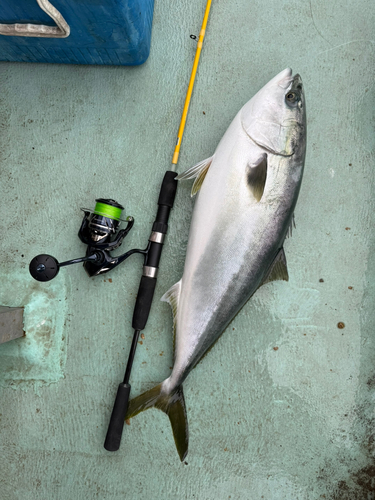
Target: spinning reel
[[100, 232]]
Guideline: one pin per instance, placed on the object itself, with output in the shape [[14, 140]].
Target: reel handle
[[44, 267]]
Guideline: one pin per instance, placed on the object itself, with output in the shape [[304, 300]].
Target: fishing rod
[[100, 232], [148, 280]]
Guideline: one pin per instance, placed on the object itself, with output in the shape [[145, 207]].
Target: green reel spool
[[110, 211]]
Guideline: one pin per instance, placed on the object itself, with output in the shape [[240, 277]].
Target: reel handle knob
[[44, 267]]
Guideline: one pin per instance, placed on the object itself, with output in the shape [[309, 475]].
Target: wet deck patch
[[39, 357]]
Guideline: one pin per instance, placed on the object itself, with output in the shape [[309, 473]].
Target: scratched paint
[[282, 407], [39, 357]]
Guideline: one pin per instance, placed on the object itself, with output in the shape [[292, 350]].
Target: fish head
[[275, 118]]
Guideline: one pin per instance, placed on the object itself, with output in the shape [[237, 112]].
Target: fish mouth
[[284, 78], [297, 82], [290, 82], [297, 87]]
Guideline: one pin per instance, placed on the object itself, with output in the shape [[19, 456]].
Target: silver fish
[[247, 194]]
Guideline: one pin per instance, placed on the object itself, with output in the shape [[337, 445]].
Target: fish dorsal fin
[[198, 172], [173, 298], [256, 174], [278, 269]]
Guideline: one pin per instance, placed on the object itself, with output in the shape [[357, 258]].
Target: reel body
[[100, 232]]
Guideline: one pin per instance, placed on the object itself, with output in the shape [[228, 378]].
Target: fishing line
[[107, 210]]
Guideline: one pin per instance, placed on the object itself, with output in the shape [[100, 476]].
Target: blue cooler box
[[116, 32]]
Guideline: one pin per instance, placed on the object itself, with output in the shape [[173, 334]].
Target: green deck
[[282, 408]]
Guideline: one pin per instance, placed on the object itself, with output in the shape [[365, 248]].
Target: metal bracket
[[62, 30], [11, 323]]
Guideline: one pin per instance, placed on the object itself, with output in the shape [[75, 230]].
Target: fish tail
[[171, 403]]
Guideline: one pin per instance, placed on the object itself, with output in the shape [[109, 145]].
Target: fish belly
[[232, 243]]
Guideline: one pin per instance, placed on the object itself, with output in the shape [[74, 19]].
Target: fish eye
[[291, 96]]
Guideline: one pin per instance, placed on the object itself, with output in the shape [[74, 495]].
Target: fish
[[244, 209]]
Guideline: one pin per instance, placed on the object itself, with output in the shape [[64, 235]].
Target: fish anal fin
[[198, 172], [256, 174], [173, 298], [173, 404], [278, 269]]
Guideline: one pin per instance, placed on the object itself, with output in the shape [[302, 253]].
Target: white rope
[[61, 30]]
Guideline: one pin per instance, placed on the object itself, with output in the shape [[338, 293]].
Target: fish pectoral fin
[[173, 404], [173, 298], [256, 174], [278, 269], [198, 172]]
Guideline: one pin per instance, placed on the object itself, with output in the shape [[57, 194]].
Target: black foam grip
[[160, 227], [162, 215], [116, 424], [143, 302], [168, 189]]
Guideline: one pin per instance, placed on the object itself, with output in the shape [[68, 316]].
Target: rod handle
[[116, 423], [159, 229], [143, 303], [168, 189]]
